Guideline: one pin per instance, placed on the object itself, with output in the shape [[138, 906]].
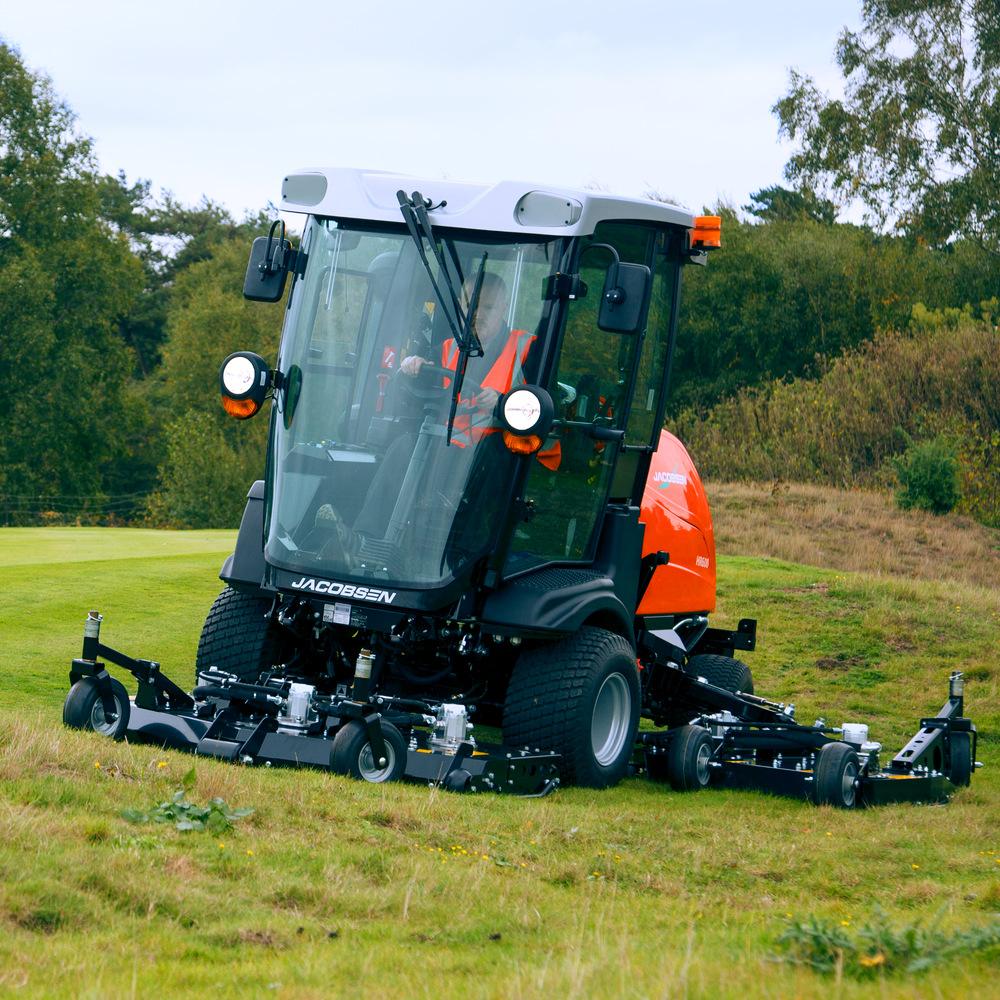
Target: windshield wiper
[[418, 222]]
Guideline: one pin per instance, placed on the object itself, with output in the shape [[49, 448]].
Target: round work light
[[243, 381]]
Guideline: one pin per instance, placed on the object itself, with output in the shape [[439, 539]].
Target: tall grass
[[941, 376]]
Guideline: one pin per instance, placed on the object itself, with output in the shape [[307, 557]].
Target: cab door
[[592, 386]]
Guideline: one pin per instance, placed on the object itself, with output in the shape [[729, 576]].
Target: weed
[[833, 946], [216, 817]]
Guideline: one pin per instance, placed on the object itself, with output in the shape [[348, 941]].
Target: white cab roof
[[508, 206]]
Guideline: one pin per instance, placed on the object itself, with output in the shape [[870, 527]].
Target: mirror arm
[[614, 295]]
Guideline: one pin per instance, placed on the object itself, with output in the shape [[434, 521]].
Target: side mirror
[[267, 268], [244, 380], [625, 298]]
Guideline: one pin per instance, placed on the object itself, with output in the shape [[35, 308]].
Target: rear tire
[[238, 638], [578, 697], [722, 671], [352, 753], [84, 708], [835, 776]]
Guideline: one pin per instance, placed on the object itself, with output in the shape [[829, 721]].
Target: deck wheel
[[835, 776], [688, 758], [352, 753], [960, 764], [85, 708]]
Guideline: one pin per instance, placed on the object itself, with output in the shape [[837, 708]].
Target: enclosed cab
[[467, 484]]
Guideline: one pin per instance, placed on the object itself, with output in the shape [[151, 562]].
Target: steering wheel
[[416, 386]]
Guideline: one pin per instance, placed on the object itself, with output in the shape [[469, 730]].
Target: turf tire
[[84, 708], [238, 638], [722, 671], [835, 776], [553, 704]]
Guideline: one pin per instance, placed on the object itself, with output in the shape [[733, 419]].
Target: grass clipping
[[876, 948]]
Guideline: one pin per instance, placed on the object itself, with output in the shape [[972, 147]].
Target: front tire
[[84, 708], [238, 638], [578, 697]]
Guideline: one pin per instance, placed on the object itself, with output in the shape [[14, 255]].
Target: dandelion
[[222, 846], [914, 867], [845, 923], [524, 864], [871, 961], [161, 764], [97, 764]]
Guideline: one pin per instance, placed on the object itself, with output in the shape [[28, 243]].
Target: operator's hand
[[487, 399], [411, 366]]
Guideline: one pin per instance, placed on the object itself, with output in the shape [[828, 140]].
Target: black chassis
[[756, 743]]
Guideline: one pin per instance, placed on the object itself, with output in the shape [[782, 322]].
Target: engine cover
[[675, 512]]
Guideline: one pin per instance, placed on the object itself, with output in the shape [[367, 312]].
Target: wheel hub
[[101, 721], [369, 769], [612, 717]]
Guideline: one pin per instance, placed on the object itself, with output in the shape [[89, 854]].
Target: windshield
[[363, 481]]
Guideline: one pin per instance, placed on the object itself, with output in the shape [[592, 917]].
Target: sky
[[221, 99]]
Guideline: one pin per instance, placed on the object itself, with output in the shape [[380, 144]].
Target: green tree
[[66, 278], [779, 204], [210, 459], [167, 237], [916, 136]]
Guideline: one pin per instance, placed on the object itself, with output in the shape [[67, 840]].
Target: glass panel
[[649, 384], [589, 387], [363, 482]]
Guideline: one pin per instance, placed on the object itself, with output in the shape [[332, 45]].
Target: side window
[[649, 383]]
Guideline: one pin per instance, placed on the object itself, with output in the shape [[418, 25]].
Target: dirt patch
[[840, 662]]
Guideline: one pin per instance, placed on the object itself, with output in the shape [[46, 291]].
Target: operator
[[503, 356]]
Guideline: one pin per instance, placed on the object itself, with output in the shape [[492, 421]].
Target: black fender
[[564, 598], [244, 569], [558, 599]]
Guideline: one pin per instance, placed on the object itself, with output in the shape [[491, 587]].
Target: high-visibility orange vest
[[506, 372]]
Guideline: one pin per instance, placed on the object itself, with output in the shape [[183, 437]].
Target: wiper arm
[[465, 349], [418, 222]]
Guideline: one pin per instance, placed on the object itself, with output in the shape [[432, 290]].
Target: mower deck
[[740, 741]]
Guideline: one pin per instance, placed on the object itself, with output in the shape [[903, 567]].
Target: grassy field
[[332, 888]]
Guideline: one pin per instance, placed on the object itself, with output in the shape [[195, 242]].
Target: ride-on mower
[[470, 512]]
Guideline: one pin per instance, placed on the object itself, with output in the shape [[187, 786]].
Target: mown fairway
[[338, 889]]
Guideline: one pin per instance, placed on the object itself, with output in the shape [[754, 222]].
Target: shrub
[[928, 476], [939, 377]]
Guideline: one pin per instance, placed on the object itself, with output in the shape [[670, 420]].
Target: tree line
[[117, 304]]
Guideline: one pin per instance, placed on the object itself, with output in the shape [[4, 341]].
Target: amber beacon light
[[707, 232]]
